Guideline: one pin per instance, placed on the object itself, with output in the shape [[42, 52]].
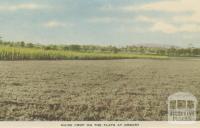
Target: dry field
[[94, 90]]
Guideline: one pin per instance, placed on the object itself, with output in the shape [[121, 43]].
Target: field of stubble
[[94, 90]]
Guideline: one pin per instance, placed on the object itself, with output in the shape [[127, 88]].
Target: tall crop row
[[17, 53]]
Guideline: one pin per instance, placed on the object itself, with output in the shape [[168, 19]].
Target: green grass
[[18, 53]]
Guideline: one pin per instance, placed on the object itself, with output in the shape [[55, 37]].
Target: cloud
[[101, 19], [194, 18], [162, 25], [23, 6], [169, 28], [167, 6], [56, 24], [110, 19], [158, 25], [184, 15], [147, 19], [190, 28], [178, 7]]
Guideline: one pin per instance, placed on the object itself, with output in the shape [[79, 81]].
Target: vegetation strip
[[21, 51]]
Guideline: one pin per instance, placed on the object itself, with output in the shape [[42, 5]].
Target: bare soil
[[94, 90]]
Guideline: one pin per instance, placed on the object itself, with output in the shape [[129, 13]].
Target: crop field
[[78, 90], [20, 53]]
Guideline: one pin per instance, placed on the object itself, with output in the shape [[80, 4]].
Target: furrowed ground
[[94, 89]]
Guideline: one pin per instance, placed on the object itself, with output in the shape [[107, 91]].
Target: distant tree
[[1, 40], [65, 47], [30, 45], [196, 52], [47, 47], [74, 47], [51, 47], [115, 50], [54, 47], [22, 44]]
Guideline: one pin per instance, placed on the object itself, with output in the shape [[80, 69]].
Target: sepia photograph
[[122, 63]]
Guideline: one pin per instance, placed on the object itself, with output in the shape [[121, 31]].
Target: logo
[[182, 107]]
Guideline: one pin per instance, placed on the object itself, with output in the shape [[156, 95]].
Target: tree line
[[135, 49]]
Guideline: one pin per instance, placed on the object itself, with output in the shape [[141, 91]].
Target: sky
[[101, 22]]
